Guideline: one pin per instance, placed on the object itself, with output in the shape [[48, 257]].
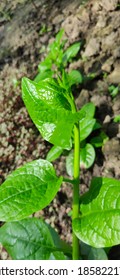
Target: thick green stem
[[76, 178], [76, 252]]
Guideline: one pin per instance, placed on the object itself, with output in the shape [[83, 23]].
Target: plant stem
[[76, 177], [68, 180], [75, 206], [76, 252]]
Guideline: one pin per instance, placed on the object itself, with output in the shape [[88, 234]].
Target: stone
[[107, 65], [107, 119], [82, 99], [111, 147], [114, 77], [92, 48]]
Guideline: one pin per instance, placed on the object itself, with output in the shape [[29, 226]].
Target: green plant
[[114, 90], [44, 29], [96, 214], [56, 60], [116, 118]]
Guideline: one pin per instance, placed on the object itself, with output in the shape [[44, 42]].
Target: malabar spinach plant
[[96, 214]]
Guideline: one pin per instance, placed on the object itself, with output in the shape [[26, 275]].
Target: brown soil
[[23, 45]]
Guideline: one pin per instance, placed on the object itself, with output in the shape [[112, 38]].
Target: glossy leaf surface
[[87, 156], [50, 111], [30, 239], [87, 123], [99, 223], [28, 189], [86, 127]]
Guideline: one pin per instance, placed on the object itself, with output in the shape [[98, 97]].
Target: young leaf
[[45, 65], [71, 52], [59, 36], [44, 75], [54, 153], [74, 77], [99, 140], [89, 110], [99, 223], [50, 111], [88, 122], [86, 127], [29, 239], [27, 190], [87, 156]]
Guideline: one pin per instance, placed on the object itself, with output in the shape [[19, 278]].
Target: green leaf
[[56, 49], [59, 36], [71, 52], [88, 122], [50, 111], [86, 127], [97, 254], [66, 248], [90, 253], [74, 77], [99, 222], [64, 81], [99, 140], [97, 125], [29, 239], [89, 110], [42, 76], [27, 190], [69, 163], [116, 118], [54, 153], [45, 65], [113, 90], [87, 156]]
